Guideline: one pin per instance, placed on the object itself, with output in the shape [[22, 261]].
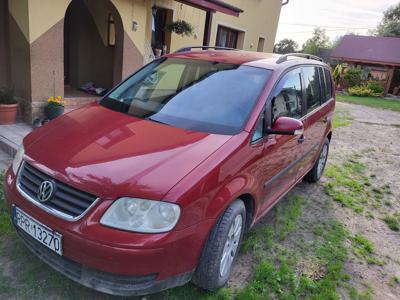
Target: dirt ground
[[373, 135]]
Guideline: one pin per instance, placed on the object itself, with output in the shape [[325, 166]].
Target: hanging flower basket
[[54, 107], [180, 27]]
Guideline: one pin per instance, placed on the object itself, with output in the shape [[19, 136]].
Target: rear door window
[[328, 85], [312, 87]]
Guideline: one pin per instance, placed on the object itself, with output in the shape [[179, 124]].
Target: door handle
[[301, 139], [325, 120]]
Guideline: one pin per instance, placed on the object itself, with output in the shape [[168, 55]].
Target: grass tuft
[[341, 118], [393, 281], [5, 221], [287, 215], [392, 222]]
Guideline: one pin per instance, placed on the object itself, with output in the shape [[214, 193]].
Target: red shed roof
[[368, 49], [214, 5]]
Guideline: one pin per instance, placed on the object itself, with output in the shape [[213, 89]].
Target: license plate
[[43, 234]]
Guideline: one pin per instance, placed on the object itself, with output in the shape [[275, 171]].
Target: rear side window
[[328, 85], [312, 87], [288, 96]]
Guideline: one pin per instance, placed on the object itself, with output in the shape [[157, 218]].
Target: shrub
[[360, 91], [376, 88], [337, 72], [364, 91], [352, 77]]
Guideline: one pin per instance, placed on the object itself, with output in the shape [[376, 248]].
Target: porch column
[[207, 28], [4, 44], [389, 81], [19, 55]]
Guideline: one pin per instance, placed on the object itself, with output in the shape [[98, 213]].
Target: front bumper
[[102, 281], [113, 261]]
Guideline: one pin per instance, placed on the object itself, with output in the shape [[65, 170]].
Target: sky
[[338, 17]]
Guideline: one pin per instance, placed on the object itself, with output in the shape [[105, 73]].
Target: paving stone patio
[[11, 137]]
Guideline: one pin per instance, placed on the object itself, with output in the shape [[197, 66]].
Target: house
[[325, 54], [379, 56], [53, 47]]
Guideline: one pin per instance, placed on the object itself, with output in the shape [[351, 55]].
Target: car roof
[[249, 58]]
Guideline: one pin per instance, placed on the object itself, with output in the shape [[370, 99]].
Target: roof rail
[[284, 57], [189, 48]]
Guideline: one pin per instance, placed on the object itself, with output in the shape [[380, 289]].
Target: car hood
[[111, 154]]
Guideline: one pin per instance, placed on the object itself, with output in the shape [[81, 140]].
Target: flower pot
[[53, 111], [8, 113]]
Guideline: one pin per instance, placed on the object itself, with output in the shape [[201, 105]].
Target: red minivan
[[155, 184]]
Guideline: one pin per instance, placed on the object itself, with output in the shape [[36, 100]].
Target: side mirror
[[286, 126]]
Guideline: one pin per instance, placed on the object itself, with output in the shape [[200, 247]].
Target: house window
[[111, 31], [260, 46], [226, 37]]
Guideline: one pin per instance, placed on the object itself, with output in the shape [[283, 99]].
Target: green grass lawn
[[370, 101]]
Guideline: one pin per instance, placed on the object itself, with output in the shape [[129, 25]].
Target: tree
[[318, 41], [285, 46], [390, 24]]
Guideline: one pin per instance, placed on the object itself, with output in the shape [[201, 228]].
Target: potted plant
[[8, 106], [54, 107], [180, 27]]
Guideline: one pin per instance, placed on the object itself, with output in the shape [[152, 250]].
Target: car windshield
[[205, 96]]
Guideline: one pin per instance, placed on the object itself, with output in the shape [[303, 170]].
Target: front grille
[[65, 199]]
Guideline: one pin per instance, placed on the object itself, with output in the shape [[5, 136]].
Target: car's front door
[[279, 164]]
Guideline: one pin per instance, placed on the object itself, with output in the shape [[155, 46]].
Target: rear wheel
[[318, 169], [221, 248]]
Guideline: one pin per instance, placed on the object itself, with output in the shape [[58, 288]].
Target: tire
[[316, 172], [210, 274]]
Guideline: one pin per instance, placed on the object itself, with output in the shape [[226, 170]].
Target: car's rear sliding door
[[316, 115]]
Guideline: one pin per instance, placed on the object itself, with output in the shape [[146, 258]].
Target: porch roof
[[214, 5], [369, 50]]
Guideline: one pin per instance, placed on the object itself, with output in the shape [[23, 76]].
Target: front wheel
[[315, 173], [221, 248]]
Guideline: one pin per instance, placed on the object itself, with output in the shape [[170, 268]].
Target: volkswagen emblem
[[45, 191]]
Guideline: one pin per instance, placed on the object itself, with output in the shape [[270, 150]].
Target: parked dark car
[[155, 184]]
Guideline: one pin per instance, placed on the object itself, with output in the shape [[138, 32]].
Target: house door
[[160, 39], [226, 37]]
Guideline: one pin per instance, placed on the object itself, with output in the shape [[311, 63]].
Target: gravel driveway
[[375, 135]]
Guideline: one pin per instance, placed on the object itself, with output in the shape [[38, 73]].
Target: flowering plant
[[180, 27], [54, 107], [55, 101]]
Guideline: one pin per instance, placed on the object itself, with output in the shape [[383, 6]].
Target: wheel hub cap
[[322, 160], [231, 245]]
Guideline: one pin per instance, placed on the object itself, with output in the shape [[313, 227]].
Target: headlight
[[140, 215], [18, 159]]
